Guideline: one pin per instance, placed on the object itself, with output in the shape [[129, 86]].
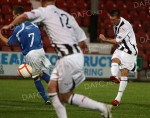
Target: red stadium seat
[[81, 4], [8, 18], [125, 14], [6, 9], [103, 15], [2, 22], [107, 23], [86, 21], [28, 8], [4, 2], [16, 49], [143, 15], [6, 48], [110, 33], [109, 5], [61, 3], [79, 20], [121, 5], [133, 15], [71, 4], [130, 5], [15, 2], [50, 50], [25, 2], [46, 42]]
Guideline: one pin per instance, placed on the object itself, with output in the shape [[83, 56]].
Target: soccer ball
[[25, 70]]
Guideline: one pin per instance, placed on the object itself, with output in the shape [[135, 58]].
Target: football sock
[[85, 102], [58, 106], [114, 69], [122, 87], [41, 89], [46, 77]]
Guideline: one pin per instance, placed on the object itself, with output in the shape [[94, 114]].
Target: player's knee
[[116, 60], [124, 72], [65, 97], [52, 86]]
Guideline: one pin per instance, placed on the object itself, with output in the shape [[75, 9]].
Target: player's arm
[[109, 40], [19, 19], [123, 32], [34, 15], [3, 39]]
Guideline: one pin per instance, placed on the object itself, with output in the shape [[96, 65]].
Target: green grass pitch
[[19, 99]]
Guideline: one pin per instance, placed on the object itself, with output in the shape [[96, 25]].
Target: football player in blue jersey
[[28, 37]]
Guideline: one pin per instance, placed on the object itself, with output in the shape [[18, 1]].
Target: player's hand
[[6, 27], [102, 37]]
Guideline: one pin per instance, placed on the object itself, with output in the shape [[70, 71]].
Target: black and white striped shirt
[[125, 37], [66, 49]]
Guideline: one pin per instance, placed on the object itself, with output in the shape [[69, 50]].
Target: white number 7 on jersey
[[32, 40]]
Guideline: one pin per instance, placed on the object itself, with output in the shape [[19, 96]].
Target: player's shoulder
[[18, 27], [126, 22]]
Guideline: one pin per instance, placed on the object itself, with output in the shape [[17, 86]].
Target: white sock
[[85, 102], [114, 69], [58, 106], [122, 87]]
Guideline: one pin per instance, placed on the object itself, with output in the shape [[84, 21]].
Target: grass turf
[[19, 99]]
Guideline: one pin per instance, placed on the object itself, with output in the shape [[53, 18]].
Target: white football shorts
[[38, 61], [127, 61], [69, 72]]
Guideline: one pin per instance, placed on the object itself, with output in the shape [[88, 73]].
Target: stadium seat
[[6, 48], [110, 33], [61, 3], [145, 62], [81, 4], [2, 22], [4, 2], [16, 49], [79, 20], [130, 5], [134, 15], [15, 2], [86, 21], [125, 14], [28, 8], [109, 5], [103, 15], [46, 42], [143, 15], [71, 4], [107, 23], [25, 2], [8, 18], [6, 9], [137, 24], [146, 25], [50, 50], [121, 5]]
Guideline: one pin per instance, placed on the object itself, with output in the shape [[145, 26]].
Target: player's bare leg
[[85, 102], [122, 87], [53, 94], [114, 70]]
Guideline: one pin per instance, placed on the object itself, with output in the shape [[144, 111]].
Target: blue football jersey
[[28, 36]]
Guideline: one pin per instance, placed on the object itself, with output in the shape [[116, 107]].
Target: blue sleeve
[[13, 37]]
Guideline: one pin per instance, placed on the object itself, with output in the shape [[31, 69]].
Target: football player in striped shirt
[[124, 57]]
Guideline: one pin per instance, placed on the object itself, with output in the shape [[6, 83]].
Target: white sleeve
[[80, 34], [123, 32], [36, 15]]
